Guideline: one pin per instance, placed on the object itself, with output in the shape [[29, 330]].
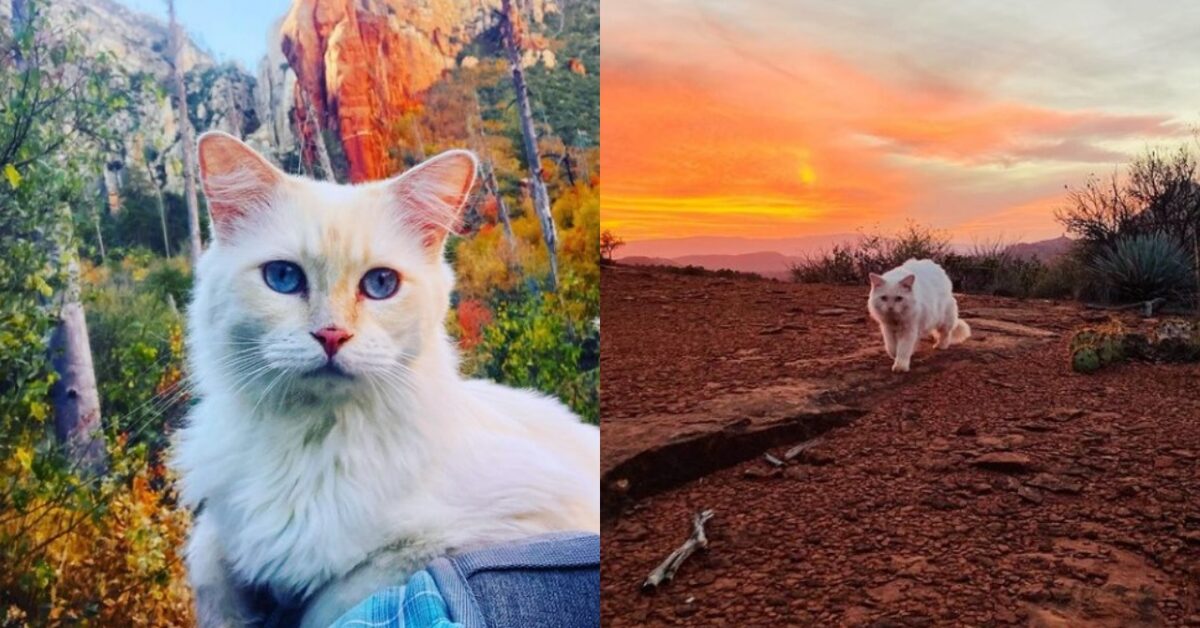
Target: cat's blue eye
[[284, 277], [380, 283]]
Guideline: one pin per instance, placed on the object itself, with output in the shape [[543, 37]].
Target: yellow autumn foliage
[[111, 560]]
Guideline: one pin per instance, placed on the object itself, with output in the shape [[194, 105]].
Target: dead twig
[[772, 460], [666, 570], [801, 448], [1147, 307]]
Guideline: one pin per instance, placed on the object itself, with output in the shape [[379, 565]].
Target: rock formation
[[219, 96], [363, 63], [274, 96]]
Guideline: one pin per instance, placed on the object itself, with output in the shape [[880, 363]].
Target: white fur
[[303, 478], [912, 301]]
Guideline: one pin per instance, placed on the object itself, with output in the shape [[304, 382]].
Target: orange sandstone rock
[[365, 63]]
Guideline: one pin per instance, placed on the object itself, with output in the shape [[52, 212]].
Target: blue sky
[[234, 30]]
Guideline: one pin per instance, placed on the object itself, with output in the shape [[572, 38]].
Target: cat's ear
[[876, 280], [431, 196], [237, 181], [907, 282]]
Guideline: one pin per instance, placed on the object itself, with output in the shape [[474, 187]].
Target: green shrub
[[136, 334], [1064, 277], [536, 341]]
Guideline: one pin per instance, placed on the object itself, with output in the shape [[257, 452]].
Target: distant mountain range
[[720, 245], [1044, 250], [767, 257]]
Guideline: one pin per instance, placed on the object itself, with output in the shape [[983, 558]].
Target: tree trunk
[[162, 207], [310, 114], [493, 188], [185, 130], [490, 185], [1196, 264], [75, 398], [99, 237], [510, 29]]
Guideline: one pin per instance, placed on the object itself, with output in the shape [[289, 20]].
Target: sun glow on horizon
[[773, 120]]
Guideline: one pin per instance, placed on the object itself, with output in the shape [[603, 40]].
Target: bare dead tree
[[158, 196], [1160, 193], [478, 140], [196, 246], [512, 33]]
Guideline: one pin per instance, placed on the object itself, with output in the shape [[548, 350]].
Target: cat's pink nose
[[332, 339]]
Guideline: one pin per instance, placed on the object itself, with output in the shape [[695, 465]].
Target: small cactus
[[1173, 340], [1096, 347], [1085, 360]]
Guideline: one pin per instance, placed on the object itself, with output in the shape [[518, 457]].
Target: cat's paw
[[900, 367]]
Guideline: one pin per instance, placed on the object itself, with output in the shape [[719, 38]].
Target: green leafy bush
[[140, 356], [536, 342], [512, 330]]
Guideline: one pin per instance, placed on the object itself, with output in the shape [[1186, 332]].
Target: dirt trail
[[991, 485]]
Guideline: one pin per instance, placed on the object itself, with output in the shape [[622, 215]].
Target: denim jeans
[[549, 580]]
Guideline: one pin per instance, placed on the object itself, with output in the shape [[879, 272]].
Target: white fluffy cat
[[335, 449], [910, 302]]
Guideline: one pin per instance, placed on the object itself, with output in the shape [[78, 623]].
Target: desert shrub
[[170, 278], [838, 266], [991, 268], [1124, 221], [1066, 277], [916, 241], [852, 263], [1144, 267]]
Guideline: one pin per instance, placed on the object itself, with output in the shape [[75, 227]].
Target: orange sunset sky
[[778, 118]]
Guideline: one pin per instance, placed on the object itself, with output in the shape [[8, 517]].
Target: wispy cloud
[[774, 119]]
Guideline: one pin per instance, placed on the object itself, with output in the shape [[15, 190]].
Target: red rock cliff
[[363, 63]]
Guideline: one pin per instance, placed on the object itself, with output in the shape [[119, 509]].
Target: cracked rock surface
[[989, 486]]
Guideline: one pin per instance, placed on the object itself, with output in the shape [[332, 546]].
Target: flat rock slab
[[773, 364], [1009, 328], [661, 450]]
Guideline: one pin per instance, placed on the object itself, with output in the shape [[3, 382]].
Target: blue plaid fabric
[[417, 604], [548, 580]]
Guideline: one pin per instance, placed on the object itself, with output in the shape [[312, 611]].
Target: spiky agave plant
[[1144, 267]]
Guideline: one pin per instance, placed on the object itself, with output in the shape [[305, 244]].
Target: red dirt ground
[[990, 486]]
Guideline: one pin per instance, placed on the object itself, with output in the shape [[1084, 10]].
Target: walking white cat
[[335, 448], [910, 302]]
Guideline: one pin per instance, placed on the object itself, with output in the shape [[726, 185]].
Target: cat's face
[[316, 291], [892, 300]]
